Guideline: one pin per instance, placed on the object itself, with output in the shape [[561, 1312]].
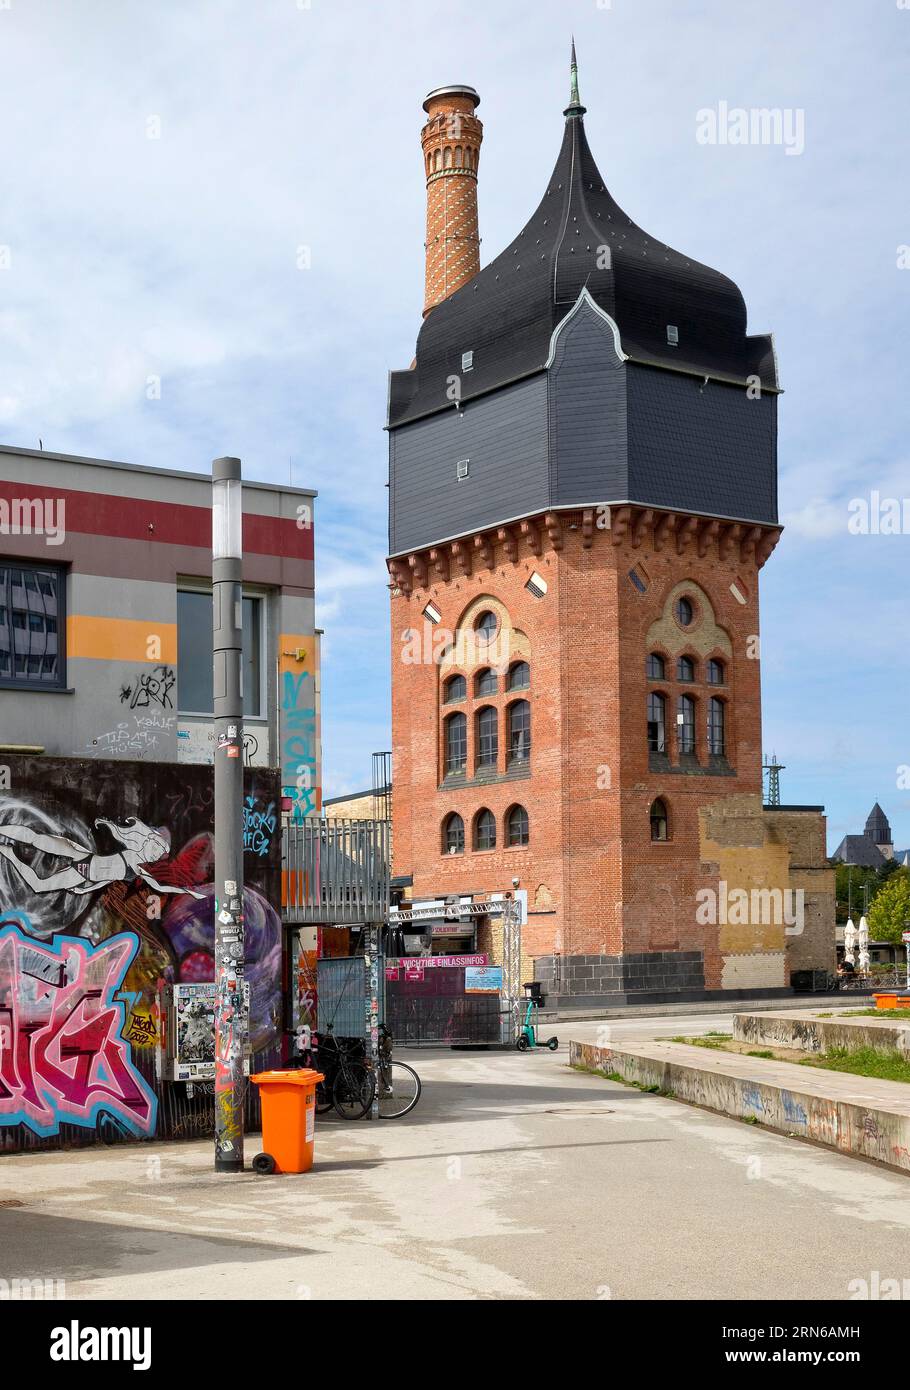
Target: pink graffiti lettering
[[63, 1059]]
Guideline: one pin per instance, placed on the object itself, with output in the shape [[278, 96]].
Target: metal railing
[[335, 872]]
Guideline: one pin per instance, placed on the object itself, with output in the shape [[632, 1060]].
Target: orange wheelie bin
[[288, 1120]]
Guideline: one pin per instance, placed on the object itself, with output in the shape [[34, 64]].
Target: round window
[[486, 626], [684, 612]]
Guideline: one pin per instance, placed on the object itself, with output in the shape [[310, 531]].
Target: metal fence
[[335, 871], [341, 1003]]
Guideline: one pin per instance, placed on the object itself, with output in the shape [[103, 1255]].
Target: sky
[[227, 195]]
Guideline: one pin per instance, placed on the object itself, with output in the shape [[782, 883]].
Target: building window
[[685, 669], [517, 826], [717, 674], [685, 723], [487, 626], [716, 737], [32, 623], [456, 688], [453, 835], [659, 820], [657, 723], [519, 676], [519, 732], [485, 682], [485, 830], [487, 737], [654, 667], [194, 653], [684, 612], [456, 732]]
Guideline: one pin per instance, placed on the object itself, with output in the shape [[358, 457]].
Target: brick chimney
[[451, 152]]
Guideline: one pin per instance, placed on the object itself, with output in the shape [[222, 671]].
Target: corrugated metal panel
[[341, 998]]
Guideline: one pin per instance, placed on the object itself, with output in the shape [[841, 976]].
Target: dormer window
[[467, 361]]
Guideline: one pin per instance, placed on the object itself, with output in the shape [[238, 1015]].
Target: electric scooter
[[527, 1033]]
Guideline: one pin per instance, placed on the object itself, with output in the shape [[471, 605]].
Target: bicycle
[[349, 1084], [399, 1084]]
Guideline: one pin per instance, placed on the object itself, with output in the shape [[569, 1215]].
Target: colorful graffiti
[[62, 1053], [96, 916], [299, 768], [259, 825]]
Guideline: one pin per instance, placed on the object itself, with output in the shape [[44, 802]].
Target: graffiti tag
[[150, 688], [258, 825], [63, 1057]]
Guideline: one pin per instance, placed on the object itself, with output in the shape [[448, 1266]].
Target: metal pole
[[227, 614]]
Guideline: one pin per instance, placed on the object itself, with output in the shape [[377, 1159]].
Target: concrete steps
[[856, 1115]]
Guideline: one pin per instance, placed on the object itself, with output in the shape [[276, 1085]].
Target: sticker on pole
[[905, 937]]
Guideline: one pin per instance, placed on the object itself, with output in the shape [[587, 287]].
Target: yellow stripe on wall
[[121, 639]]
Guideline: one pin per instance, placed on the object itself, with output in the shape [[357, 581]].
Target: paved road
[[514, 1178]]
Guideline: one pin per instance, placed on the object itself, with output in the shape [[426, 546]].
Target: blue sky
[[284, 124]]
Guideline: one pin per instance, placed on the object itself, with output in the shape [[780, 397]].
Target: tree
[[889, 914], [849, 880]]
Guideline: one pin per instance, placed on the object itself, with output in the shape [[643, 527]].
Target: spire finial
[[574, 107]]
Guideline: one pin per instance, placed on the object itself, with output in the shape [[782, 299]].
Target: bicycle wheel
[[399, 1090], [352, 1093], [324, 1099]]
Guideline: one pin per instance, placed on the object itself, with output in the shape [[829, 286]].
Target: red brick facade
[[597, 883]]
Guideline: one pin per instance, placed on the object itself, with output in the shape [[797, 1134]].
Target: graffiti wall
[[106, 894]]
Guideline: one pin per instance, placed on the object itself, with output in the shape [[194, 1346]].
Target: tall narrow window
[[716, 672], [456, 688], [453, 835], [194, 653], [657, 723], [685, 723], [519, 732], [487, 737], [716, 735], [485, 682], [517, 826], [456, 731], [685, 669], [658, 820], [655, 667], [485, 830], [519, 676]]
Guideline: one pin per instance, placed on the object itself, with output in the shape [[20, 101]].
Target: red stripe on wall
[[173, 523]]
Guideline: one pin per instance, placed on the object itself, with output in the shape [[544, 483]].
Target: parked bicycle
[[349, 1083], [399, 1084]]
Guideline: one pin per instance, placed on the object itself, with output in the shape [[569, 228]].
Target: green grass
[[760, 1054], [713, 1040], [863, 1061], [875, 1013]]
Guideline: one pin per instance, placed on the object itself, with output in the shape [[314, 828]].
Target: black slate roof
[[859, 850], [878, 821], [506, 314]]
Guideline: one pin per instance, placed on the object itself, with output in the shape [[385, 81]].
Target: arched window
[[519, 732], [456, 732], [716, 736], [456, 688], [685, 723], [685, 669], [485, 682], [659, 820], [717, 674], [453, 834], [484, 830], [448, 158], [487, 626], [437, 160], [684, 612], [458, 157], [519, 676], [657, 723], [487, 737], [517, 827], [655, 667]]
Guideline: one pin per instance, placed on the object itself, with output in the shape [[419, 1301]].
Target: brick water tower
[[583, 491]]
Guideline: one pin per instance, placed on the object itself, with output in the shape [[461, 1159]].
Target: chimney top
[[455, 89]]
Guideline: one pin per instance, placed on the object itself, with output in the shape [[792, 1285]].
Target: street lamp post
[[227, 628]]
